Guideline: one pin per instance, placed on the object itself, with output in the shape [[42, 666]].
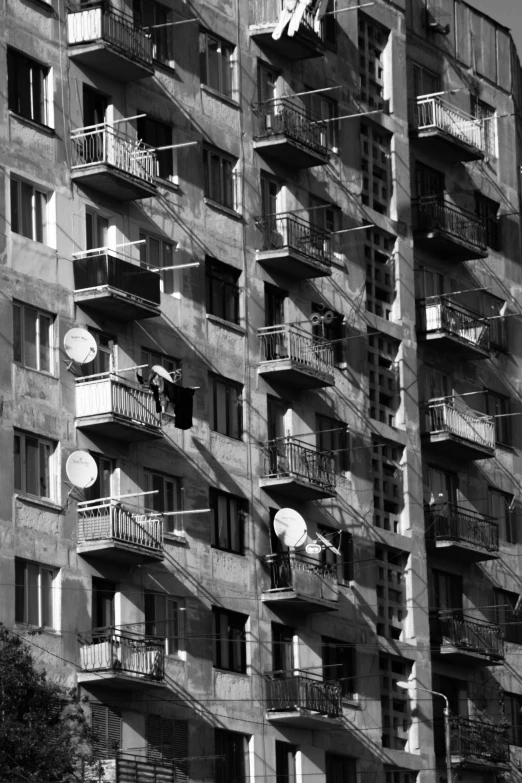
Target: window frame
[[148, 127], [514, 717], [39, 229], [504, 615], [173, 525], [234, 747], [162, 40], [223, 193], [15, 86], [228, 385], [215, 495], [49, 445], [21, 308], [171, 612], [215, 272], [48, 605], [345, 660], [340, 440], [487, 210], [228, 648], [499, 406], [226, 72], [169, 279], [507, 526]]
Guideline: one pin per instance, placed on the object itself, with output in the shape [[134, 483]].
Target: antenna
[[328, 545], [80, 346], [290, 527], [81, 469]]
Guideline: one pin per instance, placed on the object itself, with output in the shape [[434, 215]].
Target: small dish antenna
[[313, 548], [328, 545], [162, 372], [80, 346], [290, 527], [81, 469]]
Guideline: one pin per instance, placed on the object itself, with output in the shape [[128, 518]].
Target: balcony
[[119, 658], [286, 133], [108, 530], [466, 642], [115, 288], [301, 583], [459, 534], [303, 700], [299, 471], [117, 165], [449, 135], [442, 228], [477, 744], [294, 247], [131, 768], [110, 406], [103, 38], [308, 40], [452, 328], [295, 357], [457, 434]]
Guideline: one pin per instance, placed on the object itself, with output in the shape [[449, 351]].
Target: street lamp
[[406, 686]]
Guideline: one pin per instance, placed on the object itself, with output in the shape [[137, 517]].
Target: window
[[383, 378], [227, 407], [504, 615], [502, 509], [343, 541], [380, 273], [332, 435], [339, 768], [162, 620], [513, 714], [428, 282], [167, 740], [33, 465], [339, 664], [151, 358], [372, 41], [32, 337], [425, 82], [285, 762], [321, 108], [486, 113], [446, 590], [394, 775], [283, 649], [493, 308], [167, 498], [150, 14], [158, 253], [334, 331], [499, 406], [34, 594], [394, 702], [375, 167], [487, 211], [430, 183], [227, 521], [222, 290], [233, 749], [390, 592], [28, 211], [218, 170], [274, 305], [267, 79], [387, 485], [96, 230], [157, 134], [102, 487], [216, 67], [106, 725], [229, 637], [103, 600], [330, 25], [27, 85], [104, 360]]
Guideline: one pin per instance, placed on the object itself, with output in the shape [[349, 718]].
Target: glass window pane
[[235, 535], [203, 58], [45, 343], [172, 627], [32, 466], [17, 333], [18, 463], [222, 514], [45, 463], [226, 70], [168, 276], [33, 615], [228, 188], [220, 425], [47, 597], [27, 211], [15, 212], [158, 500], [215, 178], [102, 231], [233, 412], [19, 592], [213, 63]]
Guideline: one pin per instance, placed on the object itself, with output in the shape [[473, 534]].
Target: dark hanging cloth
[[182, 399], [139, 378], [156, 394]]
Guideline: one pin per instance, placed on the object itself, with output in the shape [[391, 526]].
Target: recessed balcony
[[449, 134], [478, 745], [297, 470], [466, 642], [292, 356], [109, 405], [460, 534], [117, 165], [103, 38], [455, 433], [132, 768], [444, 229], [120, 658], [302, 700], [109, 530], [307, 41], [450, 327], [115, 288], [286, 133], [301, 583], [294, 247]]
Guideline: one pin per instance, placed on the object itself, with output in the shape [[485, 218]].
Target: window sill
[[174, 538], [221, 208], [227, 324], [219, 95], [44, 6], [228, 437], [230, 671], [168, 184], [30, 629], [227, 551], [33, 123], [505, 447], [351, 702], [34, 369], [169, 69], [35, 501]]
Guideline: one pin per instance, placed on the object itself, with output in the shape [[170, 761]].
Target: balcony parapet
[[458, 135], [132, 768], [286, 131], [463, 331], [475, 741], [464, 533], [308, 40], [443, 227], [303, 582], [472, 640], [290, 354], [295, 468], [294, 246], [119, 652], [464, 434], [306, 699]]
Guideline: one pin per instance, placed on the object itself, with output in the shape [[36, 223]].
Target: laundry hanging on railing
[[181, 398], [293, 12]]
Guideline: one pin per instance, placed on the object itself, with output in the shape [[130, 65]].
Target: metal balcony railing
[[100, 21], [108, 519], [431, 213], [441, 415], [451, 627], [117, 650], [283, 116], [265, 12], [451, 522], [477, 739], [433, 112], [285, 342], [107, 393], [106, 269], [290, 457], [438, 314], [131, 768], [284, 565], [103, 144], [287, 230], [290, 691]]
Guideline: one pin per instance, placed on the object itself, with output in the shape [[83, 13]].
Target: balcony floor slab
[[290, 152], [304, 719], [296, 487], [106, 58], [115, 304], [109, 425], [442, 340], [447, 245], [296, 602], [461, 551], [297, 374], [460, 656], [113, 182], [475, 763], [291, 263], [445, 147], [120, 552], [114, 679], [302, 46], [453, 447]]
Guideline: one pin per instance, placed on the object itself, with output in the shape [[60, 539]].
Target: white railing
[[285, 342], [435, 113], [440, 315], [103, 144], [112, 649], [108, 24], [107, 519], [108, 394], [443, 416]]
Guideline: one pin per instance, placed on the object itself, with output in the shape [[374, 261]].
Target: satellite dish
[[80, 346], [81, 469], [328, 316], [315, 319], [290, 527], [328, 545], [162, 372]]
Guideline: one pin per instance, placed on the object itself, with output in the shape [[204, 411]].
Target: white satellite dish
[[80, 346], [162, 372], [328, 316], [290, 527], [328, 545], [81, 469]]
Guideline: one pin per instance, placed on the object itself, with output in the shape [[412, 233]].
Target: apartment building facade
[[335, 295]]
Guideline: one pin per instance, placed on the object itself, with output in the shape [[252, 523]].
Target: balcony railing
[[449, 522], [283, 567], [108, 519], [102, 22], [291, 691], [287, 230], [434, 213], [437, 314], [102, 144], [441, 415], [131, 768], [433, 112], [283, 116], [451, 628], [266, 12], [290, 457], [285, 342], [122, 652], [109, 394], [106, 269], [480, 740]]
